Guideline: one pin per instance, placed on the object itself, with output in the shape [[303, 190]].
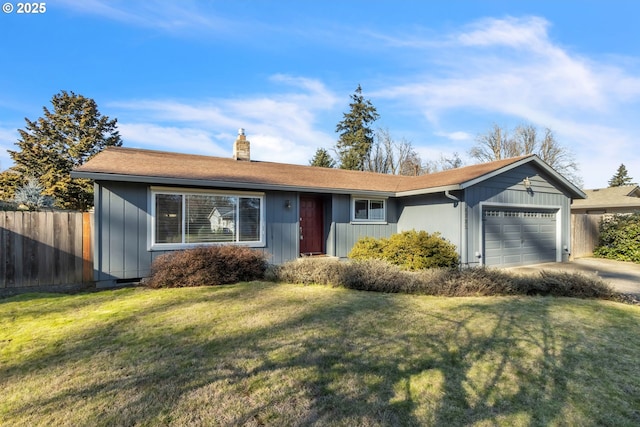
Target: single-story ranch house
[[504, 213]]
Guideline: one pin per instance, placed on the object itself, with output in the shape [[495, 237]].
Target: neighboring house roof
[[157, 167], [625, 196]]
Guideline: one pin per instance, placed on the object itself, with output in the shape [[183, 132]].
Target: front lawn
[[278, 354]]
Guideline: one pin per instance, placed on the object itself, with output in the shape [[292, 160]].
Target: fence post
[[87, 256]]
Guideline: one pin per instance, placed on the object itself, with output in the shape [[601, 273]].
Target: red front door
[[311, 224]]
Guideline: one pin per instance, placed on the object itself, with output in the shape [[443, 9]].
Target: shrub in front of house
[[309, 271], [367, 275], [207, 265], [380, 276], [409, 250], [620, 238], [565, 284], [368, 248], [477, 281]]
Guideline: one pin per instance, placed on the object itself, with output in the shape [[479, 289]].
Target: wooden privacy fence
[[585, 232], [45, 250]]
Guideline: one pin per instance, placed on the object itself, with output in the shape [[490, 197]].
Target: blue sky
[[185, 75]]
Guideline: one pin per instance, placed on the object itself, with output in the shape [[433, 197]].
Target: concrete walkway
[[622, 276]]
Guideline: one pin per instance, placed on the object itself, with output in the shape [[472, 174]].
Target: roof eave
[[606, 206], [186, 182], [575, 191], [432, 190]]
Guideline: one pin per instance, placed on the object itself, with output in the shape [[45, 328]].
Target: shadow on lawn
[[516, 372], [337, 358]]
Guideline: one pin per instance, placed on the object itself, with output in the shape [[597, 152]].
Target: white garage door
[[518, 236]]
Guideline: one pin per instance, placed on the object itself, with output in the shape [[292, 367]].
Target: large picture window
[[191, 218], [369, 210]]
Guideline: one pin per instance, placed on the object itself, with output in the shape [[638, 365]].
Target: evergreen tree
[[356, 135], [66, 137], [621, 177], [322, 159], [10, 181], [30, 195]]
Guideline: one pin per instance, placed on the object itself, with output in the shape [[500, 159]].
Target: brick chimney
[[241, 148]]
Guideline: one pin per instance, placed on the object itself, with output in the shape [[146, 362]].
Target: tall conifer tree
[[356, 135], [322, 159], [66, 137], [621, 177]]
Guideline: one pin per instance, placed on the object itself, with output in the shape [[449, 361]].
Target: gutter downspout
[[461, 227], [452, 197]]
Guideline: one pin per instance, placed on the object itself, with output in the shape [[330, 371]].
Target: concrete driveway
[[622, 276]]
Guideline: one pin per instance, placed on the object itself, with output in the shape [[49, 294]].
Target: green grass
[[278, 354]]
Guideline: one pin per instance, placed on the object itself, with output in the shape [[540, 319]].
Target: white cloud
[[528, 32], [281, 127], [456, 83], [512, 68], [456, 136], [169, 138], [168, 16]]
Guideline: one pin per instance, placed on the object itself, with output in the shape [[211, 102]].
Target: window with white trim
[[195, 218], [368, 210]]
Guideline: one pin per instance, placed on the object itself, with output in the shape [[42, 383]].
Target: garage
[[515, 237]]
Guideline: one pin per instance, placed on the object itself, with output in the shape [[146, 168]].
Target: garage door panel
[[532, 236], [519, 236], [532, 258], [493, 244], [511, 244], [546, 245], [539, 237], [551, 229], [510, 235], [492, 229], [511, 228], [491, 260]]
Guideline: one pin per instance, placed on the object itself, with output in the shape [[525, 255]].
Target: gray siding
[[344, 234], [120, 243], [122, 227], [508, 189], [434, 213], [123, 221], [282, 227]]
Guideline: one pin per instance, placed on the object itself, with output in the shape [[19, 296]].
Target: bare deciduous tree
[[497, 144], [493, 145], [442, 164], [393, 157]]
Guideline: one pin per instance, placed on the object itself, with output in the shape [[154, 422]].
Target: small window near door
[[368, 210]]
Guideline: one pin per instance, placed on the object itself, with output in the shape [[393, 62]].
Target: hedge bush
[[308, 271], [207, 265], [409, 250], [380, 276], [620, 238]]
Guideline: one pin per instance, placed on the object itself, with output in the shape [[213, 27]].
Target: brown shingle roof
[[459, 175], [118, 163]]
